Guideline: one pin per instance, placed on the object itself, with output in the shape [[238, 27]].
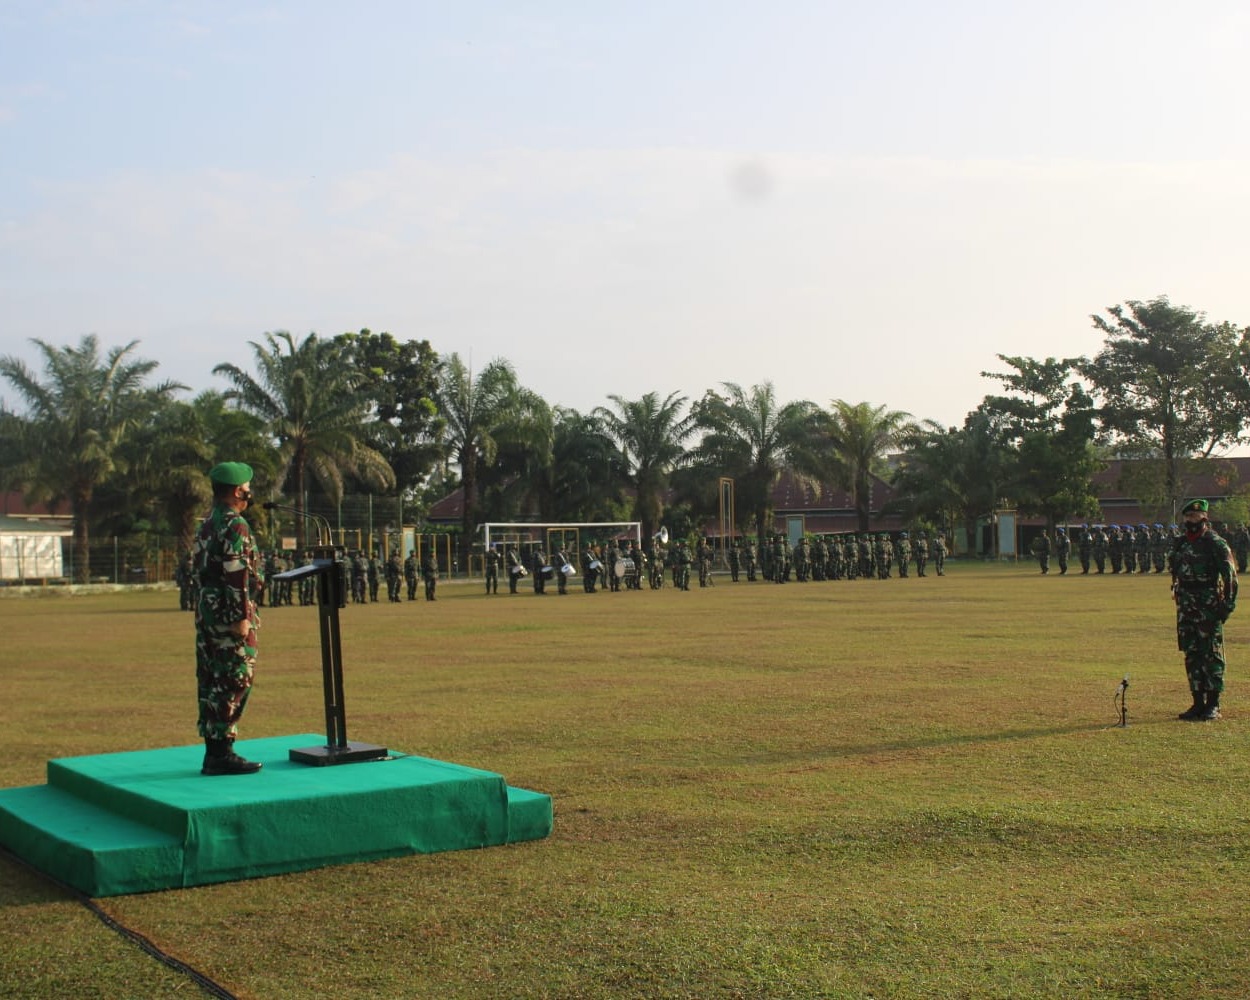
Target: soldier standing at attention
[[429, 573], [749, 561], [394, 570], [492, 561], [735, 560], [373, 574], [1204, 587], [1063, 545], [1041, 549], [1085, 548], [410, 574], [939, 553], [227, 564]]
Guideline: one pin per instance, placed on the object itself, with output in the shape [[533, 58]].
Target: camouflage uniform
[[1063, 545], [492, 560], [228, 567], [1204, 586]]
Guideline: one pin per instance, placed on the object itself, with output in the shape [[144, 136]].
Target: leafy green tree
[[476, 411], [587, 471], [309, 404], [1171, 385], [170, 455], [752, 438], [859, 436], [1049, 423], [78, 418], [651, 434], [400, 380], [956, 475]]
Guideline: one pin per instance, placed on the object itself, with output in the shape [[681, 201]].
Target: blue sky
[[855, 201]]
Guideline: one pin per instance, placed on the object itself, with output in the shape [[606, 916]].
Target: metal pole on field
[[727, 518], [114, 559]]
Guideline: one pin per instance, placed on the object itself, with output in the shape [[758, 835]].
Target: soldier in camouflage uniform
[[1241, 546], [1204, 587], [1063, 546], [921, 549], [1085, 548], [749, 561], [228, 567], [394, 573], [1115, 550], [939, 553], [1101, 544], [902, 552]]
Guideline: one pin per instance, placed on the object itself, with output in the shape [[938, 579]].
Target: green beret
[[231, 473], [1195, 507]]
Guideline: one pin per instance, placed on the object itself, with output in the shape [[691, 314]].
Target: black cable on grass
[[211, 988]]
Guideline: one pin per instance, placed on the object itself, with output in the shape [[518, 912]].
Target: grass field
[[875, 789]]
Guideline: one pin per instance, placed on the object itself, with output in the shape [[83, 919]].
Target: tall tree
[[476, 411], [1049, 422], [651, 434], [79, 416], [752, 438], [1171, 385], [587, 471], [859, 437], [308, 402], [400, 379], [168, 458], [955, 475]]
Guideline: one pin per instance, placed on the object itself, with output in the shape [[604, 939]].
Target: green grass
[[889, 789]]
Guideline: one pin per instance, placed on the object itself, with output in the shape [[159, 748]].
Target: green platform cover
[[145, 820]]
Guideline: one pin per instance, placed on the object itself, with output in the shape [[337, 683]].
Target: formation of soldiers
[[844, 556], [361, 577], [615, 565], [1126, 548]]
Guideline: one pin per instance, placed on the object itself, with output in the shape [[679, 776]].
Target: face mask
[[1193, 528], [246, 497]]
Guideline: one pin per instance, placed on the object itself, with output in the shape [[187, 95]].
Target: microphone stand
[[1120, 698], [326, 566]]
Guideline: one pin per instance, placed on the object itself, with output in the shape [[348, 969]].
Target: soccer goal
[[550, 535]]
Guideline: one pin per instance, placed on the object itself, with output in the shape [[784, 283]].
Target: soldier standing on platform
[[228, 566]]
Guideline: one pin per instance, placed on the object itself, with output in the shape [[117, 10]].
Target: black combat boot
[[220, 758], [1212, 710], [1196, 709]]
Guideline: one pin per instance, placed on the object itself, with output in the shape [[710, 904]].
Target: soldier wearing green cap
[[1204, 587], [228, 567]]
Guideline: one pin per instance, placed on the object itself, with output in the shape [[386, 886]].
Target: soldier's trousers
[[224, 665], [1200, 636]]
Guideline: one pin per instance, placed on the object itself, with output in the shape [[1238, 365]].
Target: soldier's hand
[[241, 628]]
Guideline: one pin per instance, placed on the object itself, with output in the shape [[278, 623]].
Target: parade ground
[[900, 788]]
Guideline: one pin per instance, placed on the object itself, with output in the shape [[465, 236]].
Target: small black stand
[[1120, 700], [337, 749]]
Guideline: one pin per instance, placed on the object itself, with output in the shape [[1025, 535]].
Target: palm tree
[[309, 406], [170, 454], [651, 433], [752, 439], [477, 411], [859, 437], [80, 415]]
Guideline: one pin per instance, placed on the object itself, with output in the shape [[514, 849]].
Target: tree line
[[368, 412]]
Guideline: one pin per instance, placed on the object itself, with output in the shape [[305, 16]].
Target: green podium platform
[[146, 820]]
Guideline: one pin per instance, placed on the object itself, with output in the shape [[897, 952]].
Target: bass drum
[[624, 568]]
